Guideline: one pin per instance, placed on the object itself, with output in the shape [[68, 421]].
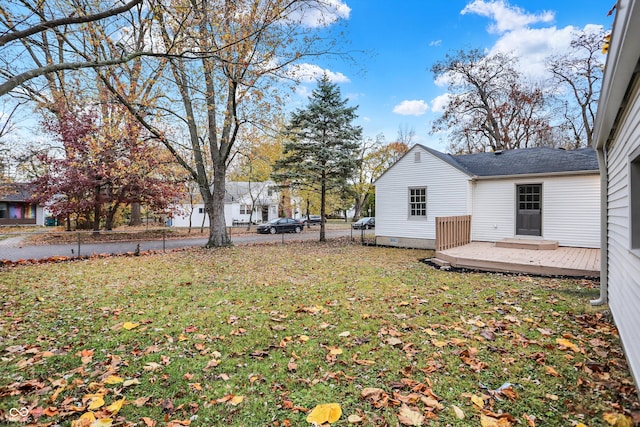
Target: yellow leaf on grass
[[113, 379], [130, 325], [85, 420], [459, 413], [95, 403], [325, 413], [129, 383], [335, 351], [618, 420], [563, 342], [103, 422], [236, 400], [478, 401], [115, 407]]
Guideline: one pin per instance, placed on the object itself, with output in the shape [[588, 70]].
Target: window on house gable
[[634, 199], [418, 202], [416, 157]]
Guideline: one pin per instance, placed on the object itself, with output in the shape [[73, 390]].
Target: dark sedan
[[280, 225], [364, 223]]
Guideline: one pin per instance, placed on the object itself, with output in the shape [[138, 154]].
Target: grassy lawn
[[260, 335]]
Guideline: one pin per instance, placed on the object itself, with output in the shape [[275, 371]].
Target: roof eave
[[538, 175], [620, 65]]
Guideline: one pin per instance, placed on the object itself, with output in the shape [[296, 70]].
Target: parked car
[[313, 219], [364, 223], [281, 225]]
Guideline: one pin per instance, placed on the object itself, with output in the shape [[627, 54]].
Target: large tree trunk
[[217, 226], [359, 205], [97, 210], [111, 214], [136, 214], [323, 198]]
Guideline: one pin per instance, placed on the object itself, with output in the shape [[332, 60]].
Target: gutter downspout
[[604, 247]]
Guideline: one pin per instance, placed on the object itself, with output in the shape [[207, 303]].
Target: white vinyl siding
[[570, 209], [447, 195], [623, 263]]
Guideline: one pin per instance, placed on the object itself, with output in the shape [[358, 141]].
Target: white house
[[617, 141], [243, 201], [541, 192]]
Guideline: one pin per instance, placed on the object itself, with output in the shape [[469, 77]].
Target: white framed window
[[418, 202], [634, 200]]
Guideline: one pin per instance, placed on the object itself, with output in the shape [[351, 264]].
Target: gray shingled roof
[[15, 192], [524, 161]]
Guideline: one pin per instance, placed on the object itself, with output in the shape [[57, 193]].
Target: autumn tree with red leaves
[[106, 165]]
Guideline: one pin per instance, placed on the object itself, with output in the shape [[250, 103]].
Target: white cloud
[[308, 73], [411, 108], [439, 103], [322, 13], [533, 46], [517, 37], [506, 17], [435, 43]]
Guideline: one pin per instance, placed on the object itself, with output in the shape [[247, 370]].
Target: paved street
[[13, 249]]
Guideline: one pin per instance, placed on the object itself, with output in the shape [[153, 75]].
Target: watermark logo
[[18, 413]]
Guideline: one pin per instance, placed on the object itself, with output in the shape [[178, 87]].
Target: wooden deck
[[563, 261]]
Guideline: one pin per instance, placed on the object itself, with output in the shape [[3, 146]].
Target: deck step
[[444, 265], [533, 244]]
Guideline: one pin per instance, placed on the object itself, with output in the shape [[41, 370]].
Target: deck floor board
[[563, 261]]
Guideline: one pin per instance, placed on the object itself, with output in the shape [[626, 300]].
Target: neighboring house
[[15, 208], [242, 201], [617, 140], [542, 193]]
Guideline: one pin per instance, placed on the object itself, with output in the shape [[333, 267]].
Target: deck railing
[[452, 231]]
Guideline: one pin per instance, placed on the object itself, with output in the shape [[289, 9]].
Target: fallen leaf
[[335, 351], [531, 421], [355, 419], [487, 421], [130, 325], [236, 400], [377, 396], [617, 420], [85, 420], [113, 379], [148, 422], [129, 383], [325, 413], [458, 412], [478, 401], [115, 407], [96, 402], [551, 371], [344, 334], [103, 422], [565, 343], [410, 416]]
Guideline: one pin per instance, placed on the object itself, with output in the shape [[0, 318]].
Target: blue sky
[[392, 83]]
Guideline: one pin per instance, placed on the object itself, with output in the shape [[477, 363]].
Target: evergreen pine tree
[[321, 148]]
